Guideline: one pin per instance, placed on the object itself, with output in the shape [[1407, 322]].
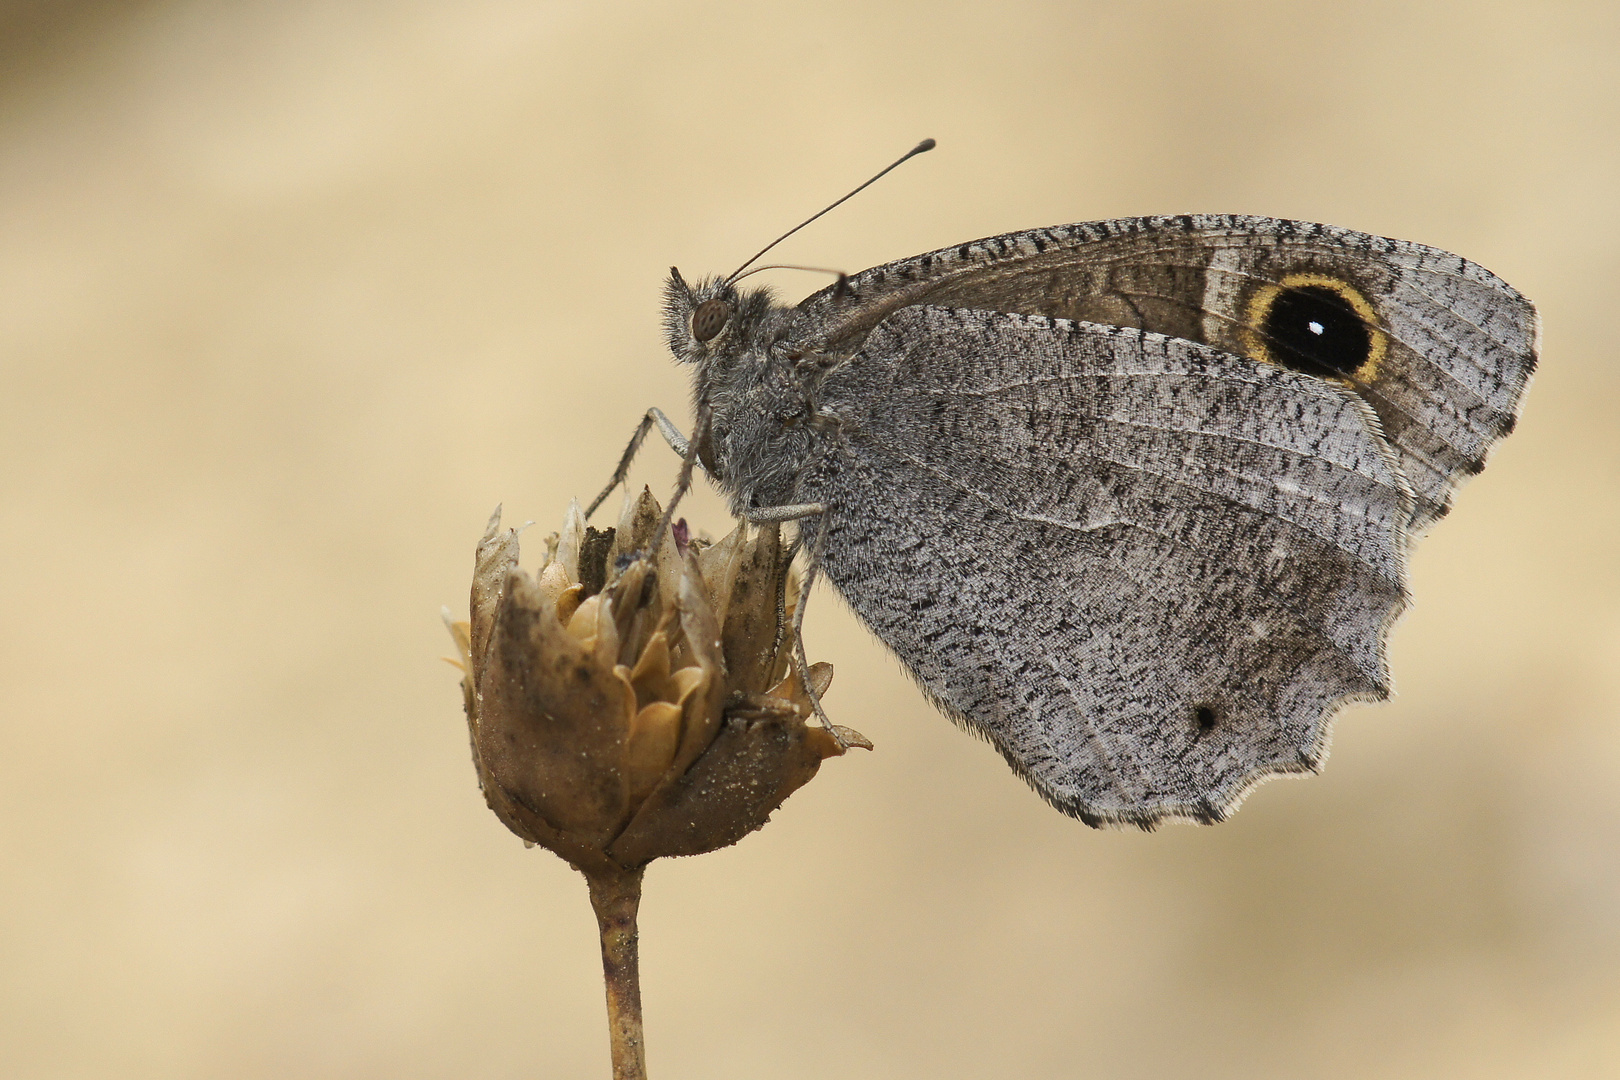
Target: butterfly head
[[713, 318]]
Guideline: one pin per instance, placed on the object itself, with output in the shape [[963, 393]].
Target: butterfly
[[1130, 499]]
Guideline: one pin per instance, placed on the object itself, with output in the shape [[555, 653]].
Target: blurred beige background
[[292, 293]]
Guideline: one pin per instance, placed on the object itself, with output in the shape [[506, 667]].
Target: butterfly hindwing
[[1146, 569]]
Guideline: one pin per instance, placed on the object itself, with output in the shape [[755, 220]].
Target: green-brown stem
[[616, 895]]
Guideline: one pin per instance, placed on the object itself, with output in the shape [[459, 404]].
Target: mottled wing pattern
[[1148, 571], [1441, 348]]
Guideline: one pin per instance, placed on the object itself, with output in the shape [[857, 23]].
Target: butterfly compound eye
[[709, 319]]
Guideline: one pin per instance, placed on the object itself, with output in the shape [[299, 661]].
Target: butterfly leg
[[781, 595], [801, 664], [672, 435], [775, 515], [688, 451]]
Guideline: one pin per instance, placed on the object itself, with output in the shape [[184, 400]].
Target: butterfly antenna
[[921, 148], [785, 266]]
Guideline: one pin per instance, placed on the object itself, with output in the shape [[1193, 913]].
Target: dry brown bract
[[630, 701], [625, 708]]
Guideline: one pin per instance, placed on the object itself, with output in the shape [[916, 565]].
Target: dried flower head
[[631, 700]]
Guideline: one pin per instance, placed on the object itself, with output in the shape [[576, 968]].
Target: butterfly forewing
[[1438, 346]]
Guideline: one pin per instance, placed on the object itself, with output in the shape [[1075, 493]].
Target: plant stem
[[616, 896]]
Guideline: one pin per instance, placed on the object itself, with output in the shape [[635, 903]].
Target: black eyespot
[[710, 318], [1315, 329], [1205, 718]]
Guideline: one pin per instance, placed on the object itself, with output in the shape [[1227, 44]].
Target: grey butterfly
[[1130, 499]]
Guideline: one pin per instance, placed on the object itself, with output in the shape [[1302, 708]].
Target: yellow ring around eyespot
[[1259, 307]]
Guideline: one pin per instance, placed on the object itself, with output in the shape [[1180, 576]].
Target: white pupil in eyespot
[[1316, 328]]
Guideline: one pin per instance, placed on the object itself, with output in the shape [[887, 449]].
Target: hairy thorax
[[754, 390]]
